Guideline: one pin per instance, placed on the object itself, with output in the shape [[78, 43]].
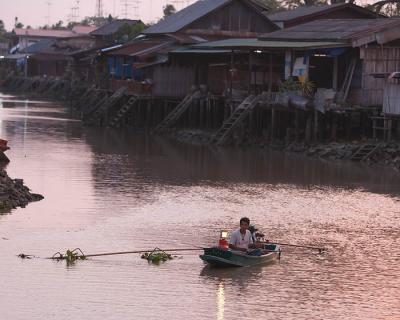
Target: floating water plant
[[157, 256], [70, 255]]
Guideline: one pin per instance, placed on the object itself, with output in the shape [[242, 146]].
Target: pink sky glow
[[35, 12], [38, 12]]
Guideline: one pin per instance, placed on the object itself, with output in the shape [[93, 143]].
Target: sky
[[38, 12]]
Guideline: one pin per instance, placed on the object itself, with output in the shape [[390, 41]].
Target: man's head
[[244, 223]]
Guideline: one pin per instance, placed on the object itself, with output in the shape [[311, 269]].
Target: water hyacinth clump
[[157, 256]]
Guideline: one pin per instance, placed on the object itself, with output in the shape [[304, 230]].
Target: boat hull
[[228, 258]]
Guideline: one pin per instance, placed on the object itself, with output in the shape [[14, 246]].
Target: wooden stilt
[[334, 127], [308, 130], [296, 125], [316, 126], [272, 124]]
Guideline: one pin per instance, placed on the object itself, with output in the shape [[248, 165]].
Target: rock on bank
[[13, 193]]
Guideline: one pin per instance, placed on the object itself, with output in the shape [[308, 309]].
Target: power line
[[128, 6]]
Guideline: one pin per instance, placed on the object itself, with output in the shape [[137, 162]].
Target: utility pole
[[74, 16], [130, 4], [48, 3], [99, 8]]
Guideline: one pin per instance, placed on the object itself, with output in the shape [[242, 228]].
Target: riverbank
[[13, 193], [88, 103], [386, 154]]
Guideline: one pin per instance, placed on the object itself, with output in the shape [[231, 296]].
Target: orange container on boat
[[223, 243]]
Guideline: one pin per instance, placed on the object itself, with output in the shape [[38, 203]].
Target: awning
[[142, 65], [200, 51], [254, 44], [16, 56], [111, 48]]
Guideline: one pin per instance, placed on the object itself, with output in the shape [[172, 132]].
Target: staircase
[[236, 118], [341, 96], [121, 112], [364, 152], [95, 114], [175, 114]]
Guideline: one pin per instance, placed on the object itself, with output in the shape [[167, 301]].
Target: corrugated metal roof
[[199, 50], [45, 33], [303, 11], [83, 29], [331, 29], [53, 46], [254, 44], [40, 46], [184, 17], [139, 48], [112, 27]]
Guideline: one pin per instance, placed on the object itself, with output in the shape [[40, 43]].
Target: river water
[[110, 190]]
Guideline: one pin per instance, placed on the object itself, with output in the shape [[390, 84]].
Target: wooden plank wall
[[377, 60], [173, 81], [391, 101]]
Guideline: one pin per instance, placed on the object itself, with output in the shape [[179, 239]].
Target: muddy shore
[[387, 153], [13, 193]]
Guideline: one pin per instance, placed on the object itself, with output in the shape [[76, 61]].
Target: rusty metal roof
[[254, 44], [343, 30], [45, 33], [306, 11]]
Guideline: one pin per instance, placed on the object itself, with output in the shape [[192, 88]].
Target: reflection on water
[[110, 190], [220, 301]]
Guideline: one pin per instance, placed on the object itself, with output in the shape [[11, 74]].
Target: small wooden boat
[[222, 257]]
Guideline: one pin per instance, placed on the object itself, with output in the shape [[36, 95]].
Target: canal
[[120, 190]]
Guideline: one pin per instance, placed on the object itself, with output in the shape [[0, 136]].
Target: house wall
[[173, 80], [377, 60], [235, 16], [53, 68], [391, 98]]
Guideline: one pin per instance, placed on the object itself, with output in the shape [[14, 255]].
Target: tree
[[58, 25], [97, 21], [168, 9], [18, 24], [273, 5], [127, 31], [2, 31], [387, 7]]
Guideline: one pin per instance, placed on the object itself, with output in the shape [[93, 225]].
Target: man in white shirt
[[241, 239]]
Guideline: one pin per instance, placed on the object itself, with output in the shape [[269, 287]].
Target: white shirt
[[240, 240]]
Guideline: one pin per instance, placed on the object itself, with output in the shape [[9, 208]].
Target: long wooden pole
[[296, 245], [130, 252]]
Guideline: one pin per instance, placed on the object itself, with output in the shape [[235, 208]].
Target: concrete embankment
[[13, 193]]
